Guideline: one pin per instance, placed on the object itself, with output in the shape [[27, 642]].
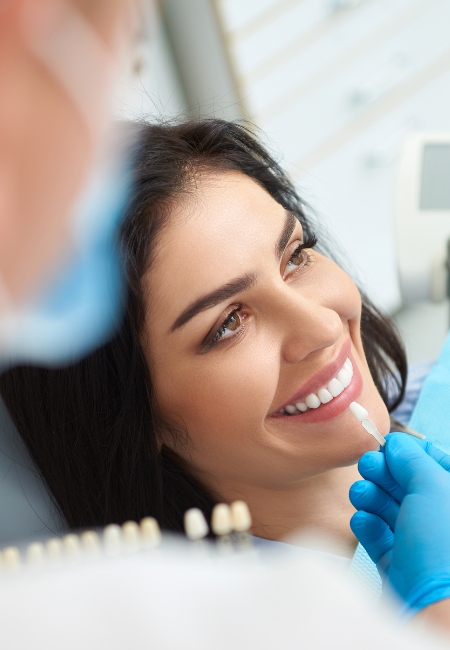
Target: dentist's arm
[[404, 521]]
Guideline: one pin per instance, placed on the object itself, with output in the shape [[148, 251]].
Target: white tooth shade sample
[[358, 411], [112, 540], [130, 537], [195, 524], [240, 516], [35, 554], [301, 406], [324, 395], [54, 549], [221, 519], [312, 401], [335, 387], [344, 377], [11, 557], [150, 532]]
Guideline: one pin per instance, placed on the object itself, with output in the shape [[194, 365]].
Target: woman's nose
[[307, 327]]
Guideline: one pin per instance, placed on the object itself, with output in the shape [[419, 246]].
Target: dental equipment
[[241, 522], [221, 526], [360, 413], [195, 525]]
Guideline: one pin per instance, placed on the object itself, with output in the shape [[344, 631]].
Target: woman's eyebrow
[[289, 225], [227, 291]]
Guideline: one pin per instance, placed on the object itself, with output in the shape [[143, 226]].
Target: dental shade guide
[[54, 551], [72, 547], [11, 558], [241, 522], [360, 413], [221, 526], [131, 537], [35, 554], [150, 533], [112, 540], [87, 546], [195, 525], [90, 543]]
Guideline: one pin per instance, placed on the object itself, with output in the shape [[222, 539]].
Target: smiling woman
[[231, 376]]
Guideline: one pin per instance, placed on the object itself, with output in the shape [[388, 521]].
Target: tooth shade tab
[[335, 387], [35, 554], [312, 401], [195, 524], [370, 427], [358, 411], [301, 406], [221, 519], [150, 532], [240, 516], [54, 549], [324, 395], [344, 377]]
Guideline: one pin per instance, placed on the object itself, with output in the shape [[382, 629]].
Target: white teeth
[[324, 395], [335, 387], [312, 401], [344, 377]]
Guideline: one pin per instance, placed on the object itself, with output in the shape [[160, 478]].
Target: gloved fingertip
[[359, 521], [357, 490], [369, 462]]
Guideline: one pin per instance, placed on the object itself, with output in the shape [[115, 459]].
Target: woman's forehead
[[227, 226], [228, 209]]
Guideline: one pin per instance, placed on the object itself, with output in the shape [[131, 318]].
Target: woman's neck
[[319, 505]]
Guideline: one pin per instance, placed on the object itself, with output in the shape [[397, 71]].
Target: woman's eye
[[297, 258], [229, 326]]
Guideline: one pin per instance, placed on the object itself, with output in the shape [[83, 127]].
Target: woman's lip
[[322, 377], [334, 408]]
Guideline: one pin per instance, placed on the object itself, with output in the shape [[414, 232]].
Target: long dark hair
[[92, 428]]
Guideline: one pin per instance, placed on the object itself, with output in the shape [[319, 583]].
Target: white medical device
[[422, 215]]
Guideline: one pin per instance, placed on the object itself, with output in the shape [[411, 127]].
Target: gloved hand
[[404, 523]]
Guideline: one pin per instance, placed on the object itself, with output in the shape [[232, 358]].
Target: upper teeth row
[[325, 394]]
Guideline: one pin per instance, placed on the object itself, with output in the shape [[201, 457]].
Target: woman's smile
[[327, 393]]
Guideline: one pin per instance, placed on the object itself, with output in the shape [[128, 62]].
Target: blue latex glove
[[404, 518]]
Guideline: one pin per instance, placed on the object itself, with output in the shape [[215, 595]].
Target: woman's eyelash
[[309, 242]]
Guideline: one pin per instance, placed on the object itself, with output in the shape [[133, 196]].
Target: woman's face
[[241, 325]]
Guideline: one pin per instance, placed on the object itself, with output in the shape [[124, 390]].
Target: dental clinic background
[[346, 92]]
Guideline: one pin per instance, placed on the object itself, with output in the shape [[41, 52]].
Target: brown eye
[[297, 258], [233, 323]]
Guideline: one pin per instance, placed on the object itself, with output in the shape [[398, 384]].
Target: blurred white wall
[[150, 86]]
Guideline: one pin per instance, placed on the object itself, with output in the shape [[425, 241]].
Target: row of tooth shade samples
[[131, 537]]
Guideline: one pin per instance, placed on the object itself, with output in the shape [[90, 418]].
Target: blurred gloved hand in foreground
[[404, 517]]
